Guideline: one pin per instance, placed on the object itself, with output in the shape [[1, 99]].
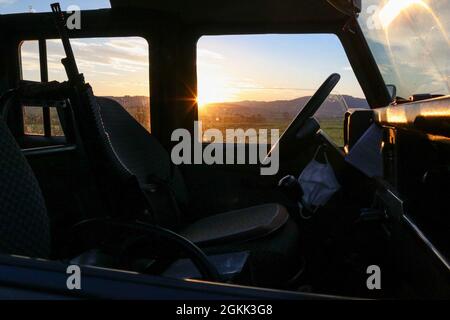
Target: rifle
[[69, 63], [95, 144]]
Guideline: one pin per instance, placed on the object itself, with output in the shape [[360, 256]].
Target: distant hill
[[232, 112], [137, 106], [132, 101], [333, 107]]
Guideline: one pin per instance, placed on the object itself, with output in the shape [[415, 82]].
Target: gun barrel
[[60, 21]]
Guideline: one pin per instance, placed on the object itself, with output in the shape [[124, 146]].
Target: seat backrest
[[122, 155], [117, 185], [139, 150], [24, 224]]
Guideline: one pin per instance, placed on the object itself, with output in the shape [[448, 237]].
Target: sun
[[200, 102], [213, 88], [208, 93]]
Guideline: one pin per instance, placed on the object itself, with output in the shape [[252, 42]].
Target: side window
[[263, 81], [33, 116], [115, 67], [29, 53], [33, 120]]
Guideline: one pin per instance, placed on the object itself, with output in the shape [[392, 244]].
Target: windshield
[[410, 43]]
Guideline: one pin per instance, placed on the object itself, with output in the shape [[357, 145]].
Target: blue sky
[[270, 67], [17, 6]]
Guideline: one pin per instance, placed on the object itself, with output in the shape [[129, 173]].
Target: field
[[34, 121], [257, 116], [333, 127]]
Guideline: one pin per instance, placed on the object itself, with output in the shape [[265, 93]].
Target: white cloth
[[318, 183]]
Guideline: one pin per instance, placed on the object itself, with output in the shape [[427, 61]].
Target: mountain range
[[333, 107]]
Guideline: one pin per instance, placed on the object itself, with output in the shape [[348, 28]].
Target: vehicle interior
[[97, 188]]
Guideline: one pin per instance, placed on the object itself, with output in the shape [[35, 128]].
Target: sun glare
[[393, 8], [200, 102], [213, 89]]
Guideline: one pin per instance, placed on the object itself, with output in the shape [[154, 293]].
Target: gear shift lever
[[290, 185]]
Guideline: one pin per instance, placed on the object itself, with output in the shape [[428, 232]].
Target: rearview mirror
[[349, 7]]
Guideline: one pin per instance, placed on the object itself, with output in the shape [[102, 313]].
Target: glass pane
[[410, 43], [29, 52], [117, 68], [56, 128], [33, 120], [263, 81]]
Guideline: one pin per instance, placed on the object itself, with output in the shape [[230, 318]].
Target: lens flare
[[391, 10]]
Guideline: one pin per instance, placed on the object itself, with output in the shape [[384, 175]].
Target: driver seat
[[266, 231]]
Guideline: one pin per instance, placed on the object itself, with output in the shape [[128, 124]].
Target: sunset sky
[[230, 68], [270, 67], [113, 66]]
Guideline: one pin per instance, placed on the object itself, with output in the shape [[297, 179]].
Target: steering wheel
[[308, 111], [94, 232]]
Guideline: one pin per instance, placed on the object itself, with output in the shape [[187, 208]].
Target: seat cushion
[[237, 225], [275, 260]]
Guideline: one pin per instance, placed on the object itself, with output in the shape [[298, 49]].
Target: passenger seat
[[266, 230]]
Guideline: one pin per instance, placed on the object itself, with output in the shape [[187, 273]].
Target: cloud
[[114, 66], [7, 2], [208, 54]]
